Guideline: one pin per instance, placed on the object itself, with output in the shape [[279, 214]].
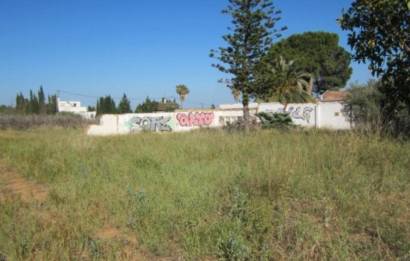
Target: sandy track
[[11, 183]]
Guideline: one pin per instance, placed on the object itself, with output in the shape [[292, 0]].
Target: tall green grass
[[209, 194]]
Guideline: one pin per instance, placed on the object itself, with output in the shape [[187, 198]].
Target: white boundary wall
[[321, 115]]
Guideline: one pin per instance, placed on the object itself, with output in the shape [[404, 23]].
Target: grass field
[[203, 196]]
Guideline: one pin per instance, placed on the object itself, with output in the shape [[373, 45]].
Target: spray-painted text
[[195, 119]]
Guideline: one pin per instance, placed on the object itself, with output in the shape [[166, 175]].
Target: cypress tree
[[98, 107], [124, 105], [52, 105], [106, 105], [31, 105], [42, 109], [19, 103]]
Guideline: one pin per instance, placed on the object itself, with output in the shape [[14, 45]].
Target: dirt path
[[14, 185], [11, 183]]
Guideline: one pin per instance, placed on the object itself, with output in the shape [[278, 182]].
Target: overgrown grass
[[24, 122], [209, 194]]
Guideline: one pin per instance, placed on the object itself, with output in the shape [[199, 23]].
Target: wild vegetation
[[25, 122], [35, 104], [379, 34], [363, 106], [303, 195], [273, 194]]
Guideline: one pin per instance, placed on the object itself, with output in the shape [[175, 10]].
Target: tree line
[[107, 105], [36, 103]]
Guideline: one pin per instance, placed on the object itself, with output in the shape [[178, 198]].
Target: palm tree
[[290, 85], [182, 91]]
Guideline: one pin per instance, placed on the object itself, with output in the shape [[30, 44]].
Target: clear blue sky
[[140, 47]]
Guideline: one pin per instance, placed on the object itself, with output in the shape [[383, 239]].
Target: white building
[[76, 108]]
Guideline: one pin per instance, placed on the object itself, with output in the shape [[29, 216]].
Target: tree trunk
[[246, 114], [285, 107], [311, 82]]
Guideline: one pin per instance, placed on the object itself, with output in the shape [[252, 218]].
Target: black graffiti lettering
[[150, 124], [297, 113]]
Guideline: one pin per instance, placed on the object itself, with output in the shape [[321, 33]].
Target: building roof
[[331, 96]]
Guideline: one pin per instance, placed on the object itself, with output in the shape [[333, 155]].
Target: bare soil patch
[[112, 233], [11, 183]]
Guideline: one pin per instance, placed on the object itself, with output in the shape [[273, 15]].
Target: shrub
[[281, 120], [23, 122], [363, 107], [233, 247], [239, 125], [369, 110]]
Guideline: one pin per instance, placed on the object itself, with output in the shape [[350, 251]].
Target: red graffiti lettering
[[195, 119]]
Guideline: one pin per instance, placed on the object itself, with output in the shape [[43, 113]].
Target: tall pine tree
[[253, 27]]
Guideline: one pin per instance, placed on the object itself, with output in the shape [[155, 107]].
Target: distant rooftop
[[332, 96]]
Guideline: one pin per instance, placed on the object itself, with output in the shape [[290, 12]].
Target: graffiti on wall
[[195, 119], [159, 123], [299, 112]]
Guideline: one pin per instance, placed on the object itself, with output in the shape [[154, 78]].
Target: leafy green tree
[[319, 54], [379, 33], [253, 25], [124, 106], [182, 91], [167, 105], [147, 106], [154, 106], [364, 106], [284, 82]]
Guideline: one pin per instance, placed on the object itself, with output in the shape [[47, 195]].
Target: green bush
[[364, 107], [275, 120]]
